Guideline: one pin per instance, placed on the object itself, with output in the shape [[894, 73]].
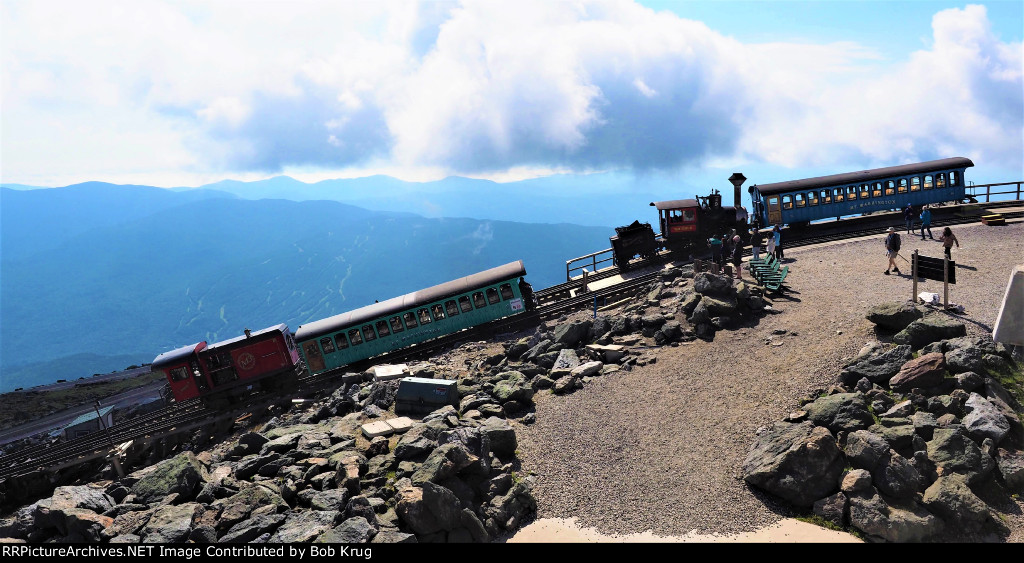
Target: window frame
[[327, 345], [451, 308], [465, 304], [501, 291], [481, 302], [497, 297], [799, 201], [339, 339], [851, 193], [396, 324], [358, 336], [423, 315], [812, 198], [387, 329], [787, 202]]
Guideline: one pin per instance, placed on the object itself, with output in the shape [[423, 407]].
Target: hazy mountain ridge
[[201, 266]]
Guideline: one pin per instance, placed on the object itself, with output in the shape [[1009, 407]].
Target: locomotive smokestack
[[737, 180]]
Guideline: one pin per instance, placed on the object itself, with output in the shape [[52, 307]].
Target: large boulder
[[964, 359], [711, 307], [799, 462], [925, 371], [171, 523], [706, 283], [984, 419], [896, 477], [352, 530], [865, 450], [304, 526], [953, 451], [500, 435], [928, 329], [894, 316], [877, 363], [514, 386], [569, 335], [901, 523], [842, 411], [951, 498], [1011, 466], [183, 474]]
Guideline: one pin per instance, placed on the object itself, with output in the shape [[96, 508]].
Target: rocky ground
[[639, 420], [661, 447]]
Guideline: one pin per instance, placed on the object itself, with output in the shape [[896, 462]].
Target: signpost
[[943, 270]]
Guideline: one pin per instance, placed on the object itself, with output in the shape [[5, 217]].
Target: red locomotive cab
[[181, 368], [682, 220], [678, 218], [250, 358]]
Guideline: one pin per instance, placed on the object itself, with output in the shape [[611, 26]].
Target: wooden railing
[[975, 191]]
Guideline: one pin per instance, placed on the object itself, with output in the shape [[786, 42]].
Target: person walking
[[926, 222], [908, 216], [737, 256], [892, 249], [777, 235], [948, 240], [756, 239]]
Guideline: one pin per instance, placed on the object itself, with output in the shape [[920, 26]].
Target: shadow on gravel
[[772, 502]]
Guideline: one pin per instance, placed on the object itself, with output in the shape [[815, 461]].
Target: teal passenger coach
[[399, 322]]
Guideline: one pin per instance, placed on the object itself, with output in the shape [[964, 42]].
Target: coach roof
[[849, 178], [408, 301]]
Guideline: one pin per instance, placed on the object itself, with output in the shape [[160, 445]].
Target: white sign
[[517, 304]]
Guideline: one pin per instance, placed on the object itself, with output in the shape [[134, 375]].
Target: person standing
[[892, 249], [948, 240], [908, 216], [770, 247], [716, 249], [926, 222], [777, 236], [756, 239], [737, 256]]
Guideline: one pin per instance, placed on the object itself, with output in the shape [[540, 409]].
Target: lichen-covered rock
[[706, 283], [352, 530], [953, 451], [571, 334], [897, 477], [1011, 466], [842, 411], [798, 462], [877, 363], [894, 316], [951, 498], [514, 386], [501, 436], [183, 474], [832, 509], [304, 526], [865, 449], [906, 522], [171, 523], [928, 329]]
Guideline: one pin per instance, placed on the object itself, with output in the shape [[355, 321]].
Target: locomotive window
[[327, 345], [506, 292], [451, 307], [838, 193], [940, 180], [826, 197], [368, 333], [851, 193], [464, 304], [689, 215], [928, 182], [864, 191], [903, 186], [396, 324], [954, 179], [355, 337], [410, 319], [340, 341], [890, 187], [812, 198], [179, 374], [438, 311], [799, 199], [478, 300], [425, 317], [492, 296], [382, 328], [915, 184]]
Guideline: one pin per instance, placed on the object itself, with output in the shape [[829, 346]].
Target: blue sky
[[187, 93]]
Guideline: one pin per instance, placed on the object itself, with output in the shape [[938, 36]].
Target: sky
[[189, 93]]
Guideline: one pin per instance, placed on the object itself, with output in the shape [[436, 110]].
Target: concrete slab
[[388, 372], [608, 353], [401, 424], [379, 428]]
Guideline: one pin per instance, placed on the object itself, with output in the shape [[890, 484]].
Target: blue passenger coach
[[798, 202]]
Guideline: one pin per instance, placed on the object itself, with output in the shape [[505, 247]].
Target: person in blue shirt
[[716, 249], [777, 234], [926, 222]]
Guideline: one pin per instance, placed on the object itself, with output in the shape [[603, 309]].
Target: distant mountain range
[[118, 274]]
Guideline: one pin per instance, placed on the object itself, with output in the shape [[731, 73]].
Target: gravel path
[[661, 448]]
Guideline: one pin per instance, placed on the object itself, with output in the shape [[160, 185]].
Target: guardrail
[[989, 193], [592, 257]]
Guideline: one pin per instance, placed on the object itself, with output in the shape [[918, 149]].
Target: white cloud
[[114, 89]]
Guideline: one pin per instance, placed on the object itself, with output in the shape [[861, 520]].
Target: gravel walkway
[[661, 448]]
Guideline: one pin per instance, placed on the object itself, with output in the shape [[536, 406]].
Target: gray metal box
[[421, 395]]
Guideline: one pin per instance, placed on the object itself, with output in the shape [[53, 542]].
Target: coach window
[[410, 319], [506, 292], [902, 186], [327, 344], [396, 325], [928, 182], [851, 193], [826, 197], [954, 179], [876, 190], [787, 202], [940, 180], [492, 296], [799, 199], [382, 329], [838, 194], [438, 311], [354, 337], [368, 333], [464, 304], [915, 184], [340, 341], [890, 187], [424, 316], [812, 198], [865, 191], [478, 300], [179, 374], [451, 307]]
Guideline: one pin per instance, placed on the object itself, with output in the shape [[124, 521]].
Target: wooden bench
[[774, 282]]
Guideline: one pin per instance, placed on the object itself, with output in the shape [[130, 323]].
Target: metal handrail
[[989, 193]]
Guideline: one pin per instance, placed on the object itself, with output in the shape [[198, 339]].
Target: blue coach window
[[424, 317], [864, 191], [928, 182], [903, 186], [787, 202], [826, 197], [506, 292], [382, 328], [438, 312], [851, 193], [492, 296], [954, 179], [838, 194], [812, 198], [368, 334], [890, 187], [451, 307], [940, 180], [478, 300], [799, 199], [915, 184]]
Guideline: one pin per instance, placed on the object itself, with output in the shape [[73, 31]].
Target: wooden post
[[945, 281], [913, 273]]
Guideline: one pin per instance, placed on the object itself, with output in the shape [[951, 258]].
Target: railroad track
[[184, 417]]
